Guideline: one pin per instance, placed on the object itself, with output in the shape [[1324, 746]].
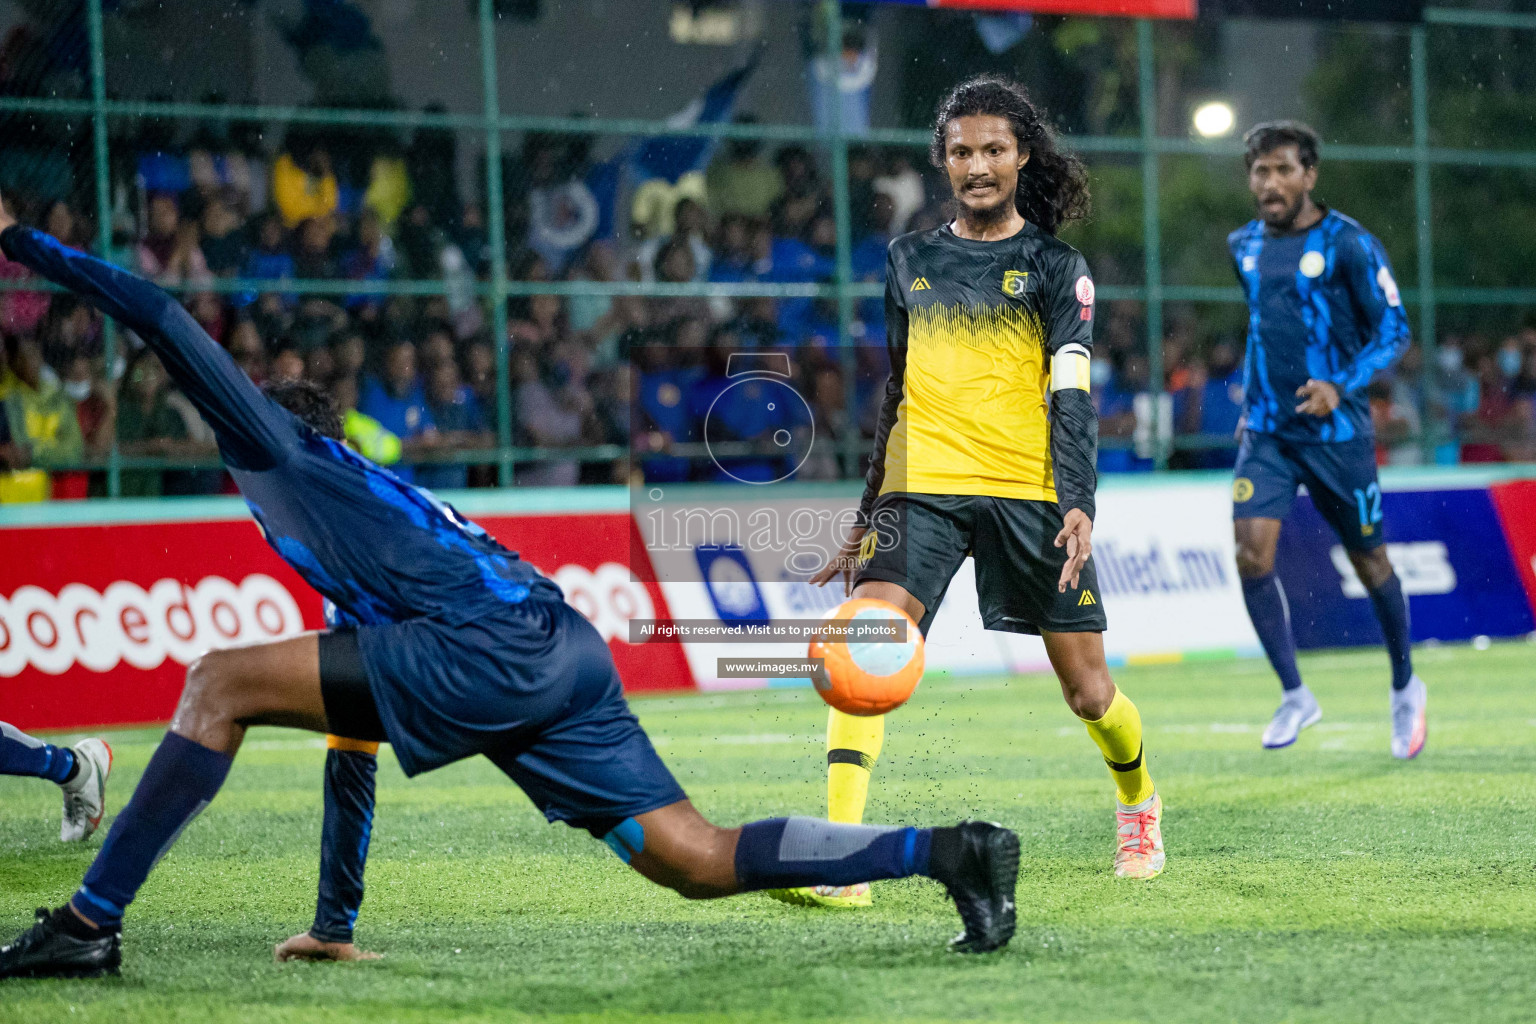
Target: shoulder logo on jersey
[[1242, 489], [920, 285], [1014, 282], [1085, 290], [1250, 264], [1389, 287], [1086, 599], [1313, 263]]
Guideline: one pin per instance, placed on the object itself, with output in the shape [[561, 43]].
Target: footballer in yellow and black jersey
[[963, 451]]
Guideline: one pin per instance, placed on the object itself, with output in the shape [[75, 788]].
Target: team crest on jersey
[[920, 285], [1313, 264], [1014, 282]]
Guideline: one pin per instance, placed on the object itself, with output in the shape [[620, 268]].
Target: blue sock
[[1271, 617], [181, 779], [1392, 612], [21, 754], [785, 853]]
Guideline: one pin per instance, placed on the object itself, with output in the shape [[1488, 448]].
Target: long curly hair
[[1053, 186]]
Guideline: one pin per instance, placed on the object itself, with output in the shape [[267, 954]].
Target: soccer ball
[[868, 677]]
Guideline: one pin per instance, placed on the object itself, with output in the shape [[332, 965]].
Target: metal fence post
[[832, 11], [100, 162], [1423, 215], [1151, 227], [495, 213]]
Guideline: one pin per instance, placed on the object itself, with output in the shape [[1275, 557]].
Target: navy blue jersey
[[377, 548], [1322, 304]]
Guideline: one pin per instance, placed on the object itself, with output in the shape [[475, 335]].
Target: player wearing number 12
[[1324, 318], [986, 443]]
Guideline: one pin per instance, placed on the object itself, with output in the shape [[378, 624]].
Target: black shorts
[[350, 710], [922, 539]]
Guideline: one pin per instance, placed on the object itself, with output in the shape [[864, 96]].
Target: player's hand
[[6, 220], [1077, 537], [845, 561], [305, 946], [1319, 398]]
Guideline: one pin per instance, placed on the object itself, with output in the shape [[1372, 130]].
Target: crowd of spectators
[[636, 383]]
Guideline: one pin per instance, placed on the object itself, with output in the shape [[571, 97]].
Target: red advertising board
[[1515, 503], [98, 622]]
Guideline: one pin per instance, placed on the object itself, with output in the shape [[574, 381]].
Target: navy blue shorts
[[1340, 477], [532, 686]]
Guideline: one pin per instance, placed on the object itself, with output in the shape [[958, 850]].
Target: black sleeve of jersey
[[1075, 449], [252, 430], [895, 387], [1068, 319]]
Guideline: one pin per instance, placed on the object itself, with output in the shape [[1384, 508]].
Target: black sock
[[67, 921], [945, 855]]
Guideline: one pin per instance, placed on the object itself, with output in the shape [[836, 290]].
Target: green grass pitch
[[1322, 883]]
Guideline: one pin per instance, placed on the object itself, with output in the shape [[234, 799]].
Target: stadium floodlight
[[1214, 119]]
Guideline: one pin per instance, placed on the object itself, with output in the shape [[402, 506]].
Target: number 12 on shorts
[[1368, 503]]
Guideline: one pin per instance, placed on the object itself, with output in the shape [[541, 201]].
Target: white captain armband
[[1069, 368]]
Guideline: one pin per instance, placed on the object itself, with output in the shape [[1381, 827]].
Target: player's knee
[[1090, 702], [212, 689], [1252, 562], [1373, 567]]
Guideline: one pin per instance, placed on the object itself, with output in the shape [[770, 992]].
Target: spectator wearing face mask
[[1454, 397]]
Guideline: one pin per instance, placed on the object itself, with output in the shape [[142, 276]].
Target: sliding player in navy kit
[[1324, 317], [457, 648]]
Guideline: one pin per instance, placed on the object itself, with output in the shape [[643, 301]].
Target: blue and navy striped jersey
[[1322, 304], [378, 549]]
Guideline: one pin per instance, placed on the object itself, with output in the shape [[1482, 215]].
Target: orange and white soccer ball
[[868, 677]]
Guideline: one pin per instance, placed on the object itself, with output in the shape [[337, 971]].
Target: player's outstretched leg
[[1271, 616], [977, 862], [81, 772], [1114, 724], [1409, 697], [226, 691], [853, 746]]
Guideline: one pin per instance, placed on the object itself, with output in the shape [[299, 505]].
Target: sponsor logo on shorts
[[127, 623], [1014, 282], [920, 285], [868, 544], [1086, 599], [1242, 489]]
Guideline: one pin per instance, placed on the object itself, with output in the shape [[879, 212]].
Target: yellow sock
[[1118, 735], [853, 744]]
